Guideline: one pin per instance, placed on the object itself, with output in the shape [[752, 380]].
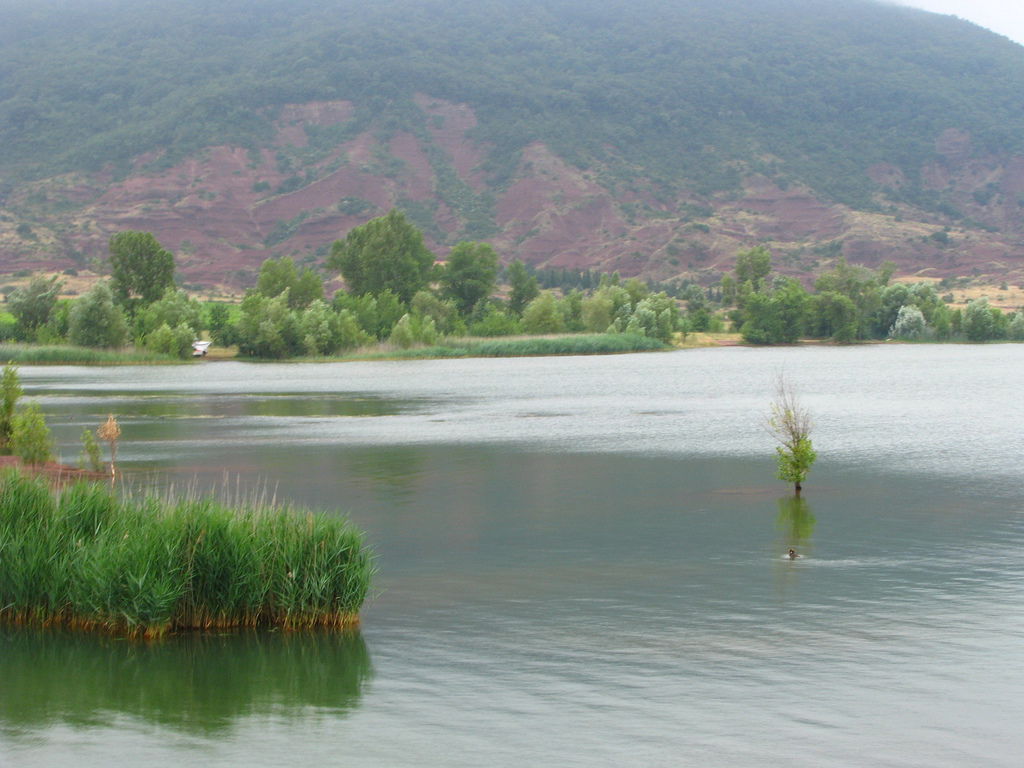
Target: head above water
[[792, 554]]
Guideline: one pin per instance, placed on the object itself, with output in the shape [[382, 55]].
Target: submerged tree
[[790, 424]]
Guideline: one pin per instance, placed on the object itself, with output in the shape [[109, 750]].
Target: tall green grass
[[38, 354], [84, 558], [588, 344], [581, 344]]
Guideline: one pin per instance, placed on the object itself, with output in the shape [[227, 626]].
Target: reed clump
[[55, 354], [84, 558], [588, 344], [578, 344]]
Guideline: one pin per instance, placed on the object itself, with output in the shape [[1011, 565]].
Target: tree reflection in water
[[795, 522], [196, 683]]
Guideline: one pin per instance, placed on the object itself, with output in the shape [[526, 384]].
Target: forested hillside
[[664, 109]]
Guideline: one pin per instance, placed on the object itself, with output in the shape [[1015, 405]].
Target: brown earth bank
[[226, 209], [52, 470]]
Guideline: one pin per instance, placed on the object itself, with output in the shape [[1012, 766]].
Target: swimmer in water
[[793, 555]]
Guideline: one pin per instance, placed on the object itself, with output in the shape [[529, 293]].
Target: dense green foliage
[[85, 558], [95, 321], [170, 325], [10, 393], [814, 90], [30, 438], [384, 254], [469, 275], [385, 260], [523, 287], [23, 430], [141, 270], [280, 275], [33, 305], [853, 303]]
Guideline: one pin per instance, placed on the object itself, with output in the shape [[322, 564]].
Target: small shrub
[[175, 342], [1015, 329], [10, 391], [496, 323], [30, 438], [91, 457], [413, 329], [909, 324]]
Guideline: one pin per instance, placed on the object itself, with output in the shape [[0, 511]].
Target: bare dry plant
[[110, 431]]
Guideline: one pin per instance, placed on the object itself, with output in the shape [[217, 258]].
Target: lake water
[[581, 563]]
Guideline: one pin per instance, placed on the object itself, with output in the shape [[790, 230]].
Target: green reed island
[[82, 557]]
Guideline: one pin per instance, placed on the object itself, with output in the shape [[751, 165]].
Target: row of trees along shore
[[851, 303], [397, 293]]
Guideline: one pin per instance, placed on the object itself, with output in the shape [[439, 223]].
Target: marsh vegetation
[[84, 557]]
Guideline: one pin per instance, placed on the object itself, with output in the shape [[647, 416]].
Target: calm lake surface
[[581, 563]]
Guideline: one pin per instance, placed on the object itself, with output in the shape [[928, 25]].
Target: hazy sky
[[1003, 16]]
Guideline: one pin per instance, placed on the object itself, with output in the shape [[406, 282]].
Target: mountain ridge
[[316, 167]]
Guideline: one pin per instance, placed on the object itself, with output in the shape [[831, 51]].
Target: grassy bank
[[37, 354], [84, 558], [578, 344]]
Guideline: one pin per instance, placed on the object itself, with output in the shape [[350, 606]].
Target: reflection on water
[[175, 405], [795, 521], [192, 683], [395, 469]]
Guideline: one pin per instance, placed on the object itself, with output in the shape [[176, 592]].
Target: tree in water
[[790, 424]]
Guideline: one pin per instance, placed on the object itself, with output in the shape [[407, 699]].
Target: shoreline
[[567, 345]]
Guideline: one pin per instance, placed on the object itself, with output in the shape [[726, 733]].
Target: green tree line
[[852, 303], [398, 293]]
